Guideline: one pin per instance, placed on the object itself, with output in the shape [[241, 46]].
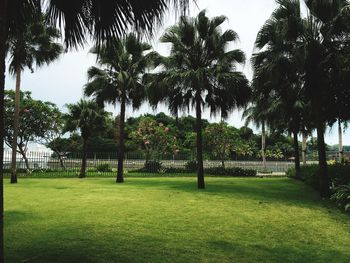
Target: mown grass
[[169, 220]]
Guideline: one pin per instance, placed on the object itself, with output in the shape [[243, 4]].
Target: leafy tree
[[87, 118], [35, 45], [123, 64], [35, 118], [52, 137], [155, 138], [199, 72], [221, 140]]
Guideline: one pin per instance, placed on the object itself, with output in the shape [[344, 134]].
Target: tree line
[[201, 73], [149, 137], [301, 73], [301, 67]]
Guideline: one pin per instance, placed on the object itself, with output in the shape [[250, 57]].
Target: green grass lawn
[[169, 220]]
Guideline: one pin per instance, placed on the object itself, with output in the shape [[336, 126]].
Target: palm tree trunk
[[3, 13], [15, 127], [340, 132], [60, 159], [120, 176], [24, 155], [200, 168], [83, 161], [296, 155], [304, 148], [263, 144], [324, 179]]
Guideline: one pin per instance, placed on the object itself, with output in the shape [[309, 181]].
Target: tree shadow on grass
[[13, 217], [287, 191], [281, 253], [94, 249]]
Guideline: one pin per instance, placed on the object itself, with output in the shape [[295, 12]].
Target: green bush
[[19, 171], [173, 170], [341, 197], [191, 166], [338, 173], [104, 168], [151, 167], [235, 171], [156, 167]]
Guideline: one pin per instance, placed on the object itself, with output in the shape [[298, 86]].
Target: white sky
[[62, 82]]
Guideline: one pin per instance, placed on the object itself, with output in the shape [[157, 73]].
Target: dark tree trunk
[[83, 161], [24, 155], [61, 160], [304, 149], [296, 155], [341, 148], [2, 87], [324, 179], [15, 127], [263, 144], [120, 176], [200, 169]]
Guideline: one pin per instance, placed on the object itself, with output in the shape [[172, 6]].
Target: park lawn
[[169, 220]]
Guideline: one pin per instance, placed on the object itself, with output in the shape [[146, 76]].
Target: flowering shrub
[[155, 138]]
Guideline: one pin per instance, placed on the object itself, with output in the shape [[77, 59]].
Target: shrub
[[338, 173], [235, 171], [104, 168], [341, 197], [172, 170], [152, 167], [191, 166]]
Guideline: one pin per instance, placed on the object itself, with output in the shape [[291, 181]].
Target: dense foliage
[[340, 181]]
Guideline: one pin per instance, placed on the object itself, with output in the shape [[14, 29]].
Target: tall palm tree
[[324, 32], [34, 46], [88, 118], [258, 114], [80, 20], [279, 59], [200, 72], [311, 46], [119, 80]]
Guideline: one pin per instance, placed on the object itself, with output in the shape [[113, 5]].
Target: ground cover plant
[[169, 220]]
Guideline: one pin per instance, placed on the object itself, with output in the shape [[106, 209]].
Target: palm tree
[[119, 80], [80, 20], [88, 118], [323, 39], [259, 114], [35, 45], [279, 62], [303, 55], [200, 72]]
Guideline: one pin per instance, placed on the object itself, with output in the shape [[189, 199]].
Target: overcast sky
[[62, 82]]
